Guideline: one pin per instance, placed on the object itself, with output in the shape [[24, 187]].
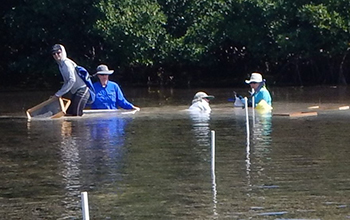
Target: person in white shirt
[[200, 102]]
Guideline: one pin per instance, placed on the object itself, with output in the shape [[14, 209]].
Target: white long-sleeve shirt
[[200, 105]]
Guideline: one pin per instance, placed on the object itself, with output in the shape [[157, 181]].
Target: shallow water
[[157, 163]]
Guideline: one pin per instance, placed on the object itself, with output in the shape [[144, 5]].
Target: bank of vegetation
[[178, 42]]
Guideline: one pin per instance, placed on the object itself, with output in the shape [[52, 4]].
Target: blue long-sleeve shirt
[[262, 94], [109, 97]]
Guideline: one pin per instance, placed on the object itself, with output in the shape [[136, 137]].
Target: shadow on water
[[156, 164]]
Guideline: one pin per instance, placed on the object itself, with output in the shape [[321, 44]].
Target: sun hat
[[255, 78], [203, 95], [103, 70]]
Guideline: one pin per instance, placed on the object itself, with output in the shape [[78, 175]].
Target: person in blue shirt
[[108, 93], [259, 91]]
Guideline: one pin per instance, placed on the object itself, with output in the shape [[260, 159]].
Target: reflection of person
[[200, 102], [200, 122], [259, 91], [108, 93], [108, 137], [72, 82]]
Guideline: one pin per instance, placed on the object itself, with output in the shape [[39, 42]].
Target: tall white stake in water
[[248, 141], [85, 206], [247, 118], [212, 143]]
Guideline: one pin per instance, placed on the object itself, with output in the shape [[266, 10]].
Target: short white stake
[[253, 107], [85, 205]]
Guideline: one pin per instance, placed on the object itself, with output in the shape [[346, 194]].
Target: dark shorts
[[79, 100]]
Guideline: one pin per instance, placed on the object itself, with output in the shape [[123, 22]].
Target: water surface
[[157, 163]]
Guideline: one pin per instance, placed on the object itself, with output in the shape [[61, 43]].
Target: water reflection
[[261, 130], [201, 130], [58, 135], [70, 167], [91, 154], [200, 127], [103, 152], [108, 136], [259, 146]]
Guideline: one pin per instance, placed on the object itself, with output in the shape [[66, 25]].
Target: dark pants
[[79, 100]]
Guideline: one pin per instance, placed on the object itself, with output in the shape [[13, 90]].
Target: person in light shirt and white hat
[[200, 102], [259, 91], [108, 93]]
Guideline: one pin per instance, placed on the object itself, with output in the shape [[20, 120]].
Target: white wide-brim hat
[[202, 95], [103, 70], [255, 78]]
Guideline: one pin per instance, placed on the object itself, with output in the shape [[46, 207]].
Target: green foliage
[[306, 39], [330, 25], [133, 28]]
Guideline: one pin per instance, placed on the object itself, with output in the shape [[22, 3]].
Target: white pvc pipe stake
[[85, 205], [213, 171], [253, 112], [253, 100], [212, 150], [247, 118]]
